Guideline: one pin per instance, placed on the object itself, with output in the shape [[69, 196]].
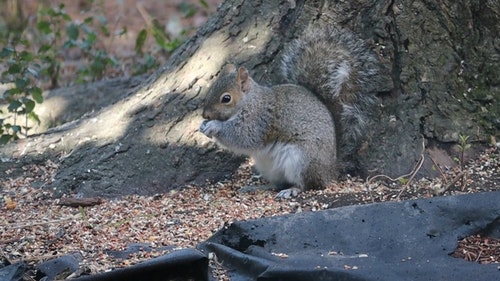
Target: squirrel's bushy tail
[[342, 70]]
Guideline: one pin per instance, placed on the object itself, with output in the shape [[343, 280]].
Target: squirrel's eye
[[225, 98]]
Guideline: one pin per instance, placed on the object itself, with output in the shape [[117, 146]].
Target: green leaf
[[6, 52], [97, 67], [36, 93], [105, 31], [21, 83], [33, 116], [72, 31], [14, 68], [69, 43], [26, 56], [204, 4], [44, 27], [66, 17], [16, 129], [149, 61], [112, 61], [4, 139], [86, 28], [14, 105], [187, 9], [44, 48], [91, 38], [172, 45], [51, 13], [8, 94], [159, 37], [140, 40], [88, 20], [29, 105]]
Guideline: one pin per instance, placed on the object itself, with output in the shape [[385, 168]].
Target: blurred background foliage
[[50, 44]]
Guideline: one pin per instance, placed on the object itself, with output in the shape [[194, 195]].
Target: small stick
[[439, 169], [455, 179], [41, 223], [80, 202]]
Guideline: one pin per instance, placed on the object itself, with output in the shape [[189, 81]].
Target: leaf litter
[[36, 227]]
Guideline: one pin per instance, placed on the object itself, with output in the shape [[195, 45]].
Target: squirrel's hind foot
[[288, 193]]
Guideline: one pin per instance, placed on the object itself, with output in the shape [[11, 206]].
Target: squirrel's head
[[224, 96]]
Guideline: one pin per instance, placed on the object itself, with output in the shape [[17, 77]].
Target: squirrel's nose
[[206, 114]]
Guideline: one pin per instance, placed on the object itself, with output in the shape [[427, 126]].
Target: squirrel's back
[[338, 67]]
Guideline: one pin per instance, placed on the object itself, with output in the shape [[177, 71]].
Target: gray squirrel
[[301, 134]]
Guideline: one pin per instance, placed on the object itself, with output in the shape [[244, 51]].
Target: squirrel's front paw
[[210, 127]]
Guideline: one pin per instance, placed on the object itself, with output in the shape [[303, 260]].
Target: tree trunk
[[442, 61]]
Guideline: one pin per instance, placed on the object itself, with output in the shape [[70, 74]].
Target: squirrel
[[303, 133]]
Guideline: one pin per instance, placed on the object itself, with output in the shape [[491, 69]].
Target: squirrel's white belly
[[281, 163]]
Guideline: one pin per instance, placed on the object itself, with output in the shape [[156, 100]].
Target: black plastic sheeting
[[409, 240], [188, 264]]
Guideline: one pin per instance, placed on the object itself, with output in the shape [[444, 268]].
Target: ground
[[39, 227]]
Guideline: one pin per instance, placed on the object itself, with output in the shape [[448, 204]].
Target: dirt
[[40, 227]]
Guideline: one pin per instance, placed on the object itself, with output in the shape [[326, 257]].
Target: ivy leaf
[[14, 105], [187, 9], [16, 129], [33, 116], [72, 31], [36, 93], [6, 52], [44, 27], [140, 41], [204, 4], [21, 83], [5, 139], [29, 105], [105, 31], [26, 56], [88, 20], [14, 68], [44, 48]]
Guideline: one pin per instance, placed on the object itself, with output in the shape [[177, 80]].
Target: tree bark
[[443, 77]]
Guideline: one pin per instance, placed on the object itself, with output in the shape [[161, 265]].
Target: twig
[[80, 202], [453, 181], [439, 169], [411, 174], [415, 171], [144, 14], [7, 241], [42, 223]]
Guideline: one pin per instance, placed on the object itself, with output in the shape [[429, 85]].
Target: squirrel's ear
[[229, 68], [243, 79]]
